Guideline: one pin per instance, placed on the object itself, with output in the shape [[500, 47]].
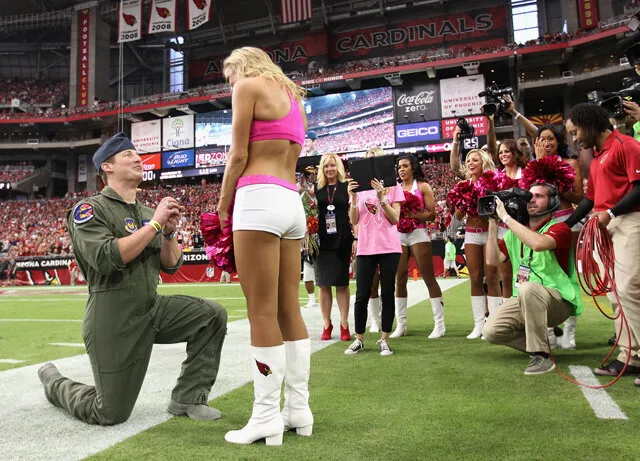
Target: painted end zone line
[[603, 405]]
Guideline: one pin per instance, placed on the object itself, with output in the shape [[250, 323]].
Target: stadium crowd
[[15, 172]]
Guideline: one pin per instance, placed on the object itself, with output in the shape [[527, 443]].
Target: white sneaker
[[355, 347], [384, 347], [311, 304]]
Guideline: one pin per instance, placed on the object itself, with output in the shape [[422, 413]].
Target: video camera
[[495, 99], [466, 129], [612, 101], [515, 203]]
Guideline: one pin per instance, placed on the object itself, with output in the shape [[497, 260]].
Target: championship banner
[[84, 64], [145, 136], [477, 27], [198, 12], [459, 96], [162, 16], [588, 13], [478, 122], [298, 56], [82, 168], [416, 102], [129, 20], [177, 132]]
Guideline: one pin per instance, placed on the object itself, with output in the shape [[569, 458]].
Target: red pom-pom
[[410, 205], [551, 170], [464, 196], [218, 241], [489, 181]]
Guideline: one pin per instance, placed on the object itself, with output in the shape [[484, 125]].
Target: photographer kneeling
[[545, 288]]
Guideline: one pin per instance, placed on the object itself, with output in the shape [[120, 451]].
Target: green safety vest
[[450, 251], [545, 268]]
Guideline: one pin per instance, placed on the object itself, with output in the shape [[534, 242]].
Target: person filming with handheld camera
[[545, 287]]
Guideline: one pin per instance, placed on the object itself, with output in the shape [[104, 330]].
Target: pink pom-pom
[[464, 196], [551, 170], [218, 241], [410, 205], [489, 181]]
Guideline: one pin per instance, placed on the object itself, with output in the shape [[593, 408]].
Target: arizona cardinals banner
[[162, 17], [198, 12], [295, 10], [129, 20]]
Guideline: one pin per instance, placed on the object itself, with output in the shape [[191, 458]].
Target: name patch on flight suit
[[130, 225], [82, 213]]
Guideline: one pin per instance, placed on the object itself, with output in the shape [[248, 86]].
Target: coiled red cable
[[594, 240]]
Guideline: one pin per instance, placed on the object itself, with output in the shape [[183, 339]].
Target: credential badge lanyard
[[330, 216]]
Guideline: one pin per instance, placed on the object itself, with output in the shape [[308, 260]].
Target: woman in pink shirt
[[376, 212]]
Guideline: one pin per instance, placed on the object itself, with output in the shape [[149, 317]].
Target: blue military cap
[[112, 146], [312, 135]]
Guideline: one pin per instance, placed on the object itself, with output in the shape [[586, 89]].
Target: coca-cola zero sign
[[416, 102]]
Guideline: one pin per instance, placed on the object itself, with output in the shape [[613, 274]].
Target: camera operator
[[632, 109], [546, 290], [613, 192]]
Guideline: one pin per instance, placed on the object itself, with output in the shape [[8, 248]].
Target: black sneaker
[[355, 347]]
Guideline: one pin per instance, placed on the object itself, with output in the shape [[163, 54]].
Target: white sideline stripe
[[11, 361], [40, 320], [84, 295], [53, 431], [603, 405], [67, 344]]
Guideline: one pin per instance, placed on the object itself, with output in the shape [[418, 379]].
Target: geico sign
[[422, 131]]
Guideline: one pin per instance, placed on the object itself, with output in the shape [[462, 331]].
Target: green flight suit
[[125, 316]]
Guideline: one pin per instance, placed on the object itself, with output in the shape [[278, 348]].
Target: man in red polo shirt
[[613, 192]]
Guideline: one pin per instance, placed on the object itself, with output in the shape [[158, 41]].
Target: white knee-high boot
[[477, 306], [493, 303], [401, 318], [296, 413], [437, 307], [375, 311], [569, 335], [266, 421]]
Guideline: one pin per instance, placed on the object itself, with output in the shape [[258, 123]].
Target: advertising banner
[[177, 132], [416, 102], [177, 159], [151, 162], [84, 63], [300, 55], [82, 168], [477, 26], [146, 136], [588, 14], [198, 12], [206, 158], [478, 122], [418, 132], [467, 144], [129, 20], [459, 96], [162, 16]]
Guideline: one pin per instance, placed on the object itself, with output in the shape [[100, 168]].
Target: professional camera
[[495, 99], [515, 203], [612, 101], [466, 129]]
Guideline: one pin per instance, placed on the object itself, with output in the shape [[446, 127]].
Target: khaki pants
[[522, 322], [625, 234]]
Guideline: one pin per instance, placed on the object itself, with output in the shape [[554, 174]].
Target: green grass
[[445, 399]]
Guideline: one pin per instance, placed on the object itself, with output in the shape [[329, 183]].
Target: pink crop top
[[288, 127]]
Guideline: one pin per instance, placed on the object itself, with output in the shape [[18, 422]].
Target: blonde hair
[[376, 151], [248, 61], [322, 179], [487, 162]]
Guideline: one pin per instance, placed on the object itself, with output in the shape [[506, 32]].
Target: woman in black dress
[[336, 242]]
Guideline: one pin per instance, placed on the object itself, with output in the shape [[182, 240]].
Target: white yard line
[[603, 405], [41, 320], [32, 429], [68, 344], [12, 361]]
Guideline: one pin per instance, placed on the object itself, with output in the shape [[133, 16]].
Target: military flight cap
[[112, 146]]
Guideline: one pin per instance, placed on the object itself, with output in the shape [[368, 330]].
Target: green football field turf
[[449, 398]]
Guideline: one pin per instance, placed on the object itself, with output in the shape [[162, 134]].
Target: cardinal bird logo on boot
[[163, 12], [264, 368], [129, 19], [201, 4]]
